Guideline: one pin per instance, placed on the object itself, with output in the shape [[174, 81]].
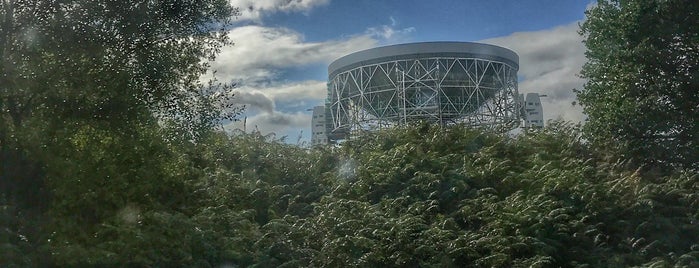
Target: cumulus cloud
[[292, 91], [550, 61], [253, 99], [390, 32], [255, 9], [280, 123], [261, 52], [265, 98]]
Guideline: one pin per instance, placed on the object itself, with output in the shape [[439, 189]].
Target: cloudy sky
[[283, 47]]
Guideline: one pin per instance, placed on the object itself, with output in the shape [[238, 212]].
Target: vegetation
[[108, 158], [93, 96], [641, 96], [420, 196], [456, 197]]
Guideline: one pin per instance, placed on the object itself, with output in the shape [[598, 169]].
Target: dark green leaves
[[641, 97]]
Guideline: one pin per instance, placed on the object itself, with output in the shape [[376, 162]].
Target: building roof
[[424, 50]]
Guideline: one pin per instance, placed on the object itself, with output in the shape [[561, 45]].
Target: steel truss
[[444, 90]]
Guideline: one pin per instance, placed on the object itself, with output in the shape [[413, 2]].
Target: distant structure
[[532, 110], [440, 82], [318, 127]]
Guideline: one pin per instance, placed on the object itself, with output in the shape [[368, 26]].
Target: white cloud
[[295, 91], [260, 53], [390, 33], [255, 9], [254, 99], [550, 61], [266, 98], [282, 124]]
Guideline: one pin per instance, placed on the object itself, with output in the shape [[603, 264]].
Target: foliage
[[95, 97], [420, 196], [456, 197], [642, 76], [108, 158]]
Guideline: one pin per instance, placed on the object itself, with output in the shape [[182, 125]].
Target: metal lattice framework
[[475, 89]]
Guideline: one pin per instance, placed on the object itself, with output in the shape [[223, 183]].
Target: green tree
[[95, 98], [118, 61], [642, 93]]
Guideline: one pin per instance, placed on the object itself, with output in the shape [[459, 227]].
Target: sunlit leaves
[[641, 94], [540, 199]]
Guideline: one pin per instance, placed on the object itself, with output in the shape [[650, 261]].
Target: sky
[[282, 49]]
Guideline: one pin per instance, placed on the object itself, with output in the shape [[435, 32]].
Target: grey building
[[441, 82]]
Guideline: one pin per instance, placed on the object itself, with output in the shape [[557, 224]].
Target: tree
[[642, 93], [87, 89], [110, 60]]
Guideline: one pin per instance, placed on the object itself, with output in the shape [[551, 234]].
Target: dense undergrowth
[[422, 196]]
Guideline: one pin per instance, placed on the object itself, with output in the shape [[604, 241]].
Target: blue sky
[[282, 48], [453, 20]]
